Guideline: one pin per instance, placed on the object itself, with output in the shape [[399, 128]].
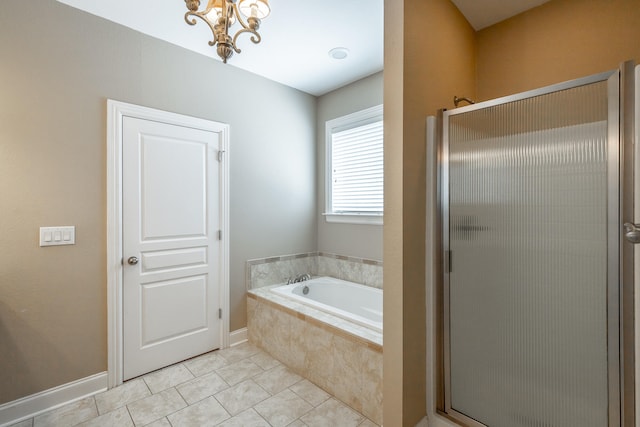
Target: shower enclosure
[[537, 287]]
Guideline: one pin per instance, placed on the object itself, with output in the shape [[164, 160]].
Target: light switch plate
[[57, 236]]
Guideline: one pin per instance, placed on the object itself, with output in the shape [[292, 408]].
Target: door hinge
[[219, 234], [219, 313], [220, 154]]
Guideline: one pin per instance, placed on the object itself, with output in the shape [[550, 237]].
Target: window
[[354, 172]]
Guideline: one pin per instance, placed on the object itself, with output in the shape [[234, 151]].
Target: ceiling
[[296, 37], [484, 13]]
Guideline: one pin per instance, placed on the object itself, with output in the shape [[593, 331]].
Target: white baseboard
[[36, 404], [238, 337]]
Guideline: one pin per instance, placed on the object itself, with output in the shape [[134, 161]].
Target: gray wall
[[357, 240], [58, 67]]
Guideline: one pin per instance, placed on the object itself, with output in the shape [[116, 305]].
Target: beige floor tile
[[118, 418], [122, 395], [277, 379], [310, 392], [167, 377], [265, 394], [206, 363], [162, 422], [283, 408], [202, 387], [241, 396], [154, 407], [25, 423], [239, 371], [206, 413], [239, 352], [265, 361], [68, 415], [248, 418], [332, 413]]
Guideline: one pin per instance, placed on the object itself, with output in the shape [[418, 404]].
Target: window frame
[[349, 121]]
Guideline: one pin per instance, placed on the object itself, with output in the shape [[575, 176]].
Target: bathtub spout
[[302, 278]]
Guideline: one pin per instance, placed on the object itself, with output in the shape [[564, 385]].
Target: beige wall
[[358, 240], [429, 58], [58, 67], [560, 40]]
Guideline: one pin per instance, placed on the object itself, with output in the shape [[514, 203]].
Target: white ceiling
[[484, 13], [296, 37]]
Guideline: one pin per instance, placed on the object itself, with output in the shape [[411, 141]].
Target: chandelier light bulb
[[254, 8]]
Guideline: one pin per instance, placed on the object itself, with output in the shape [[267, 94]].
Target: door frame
[[116, 111]]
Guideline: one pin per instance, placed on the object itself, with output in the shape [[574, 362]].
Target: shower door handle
[[632, 232]]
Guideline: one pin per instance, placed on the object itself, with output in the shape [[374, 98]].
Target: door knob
[[632, 232], [132, 260]]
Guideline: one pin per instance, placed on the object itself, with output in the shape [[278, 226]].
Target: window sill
[[354, 218]]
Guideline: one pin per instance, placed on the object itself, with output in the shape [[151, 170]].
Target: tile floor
[[240, 386]]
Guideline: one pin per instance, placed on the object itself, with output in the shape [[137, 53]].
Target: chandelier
[[221, 15]]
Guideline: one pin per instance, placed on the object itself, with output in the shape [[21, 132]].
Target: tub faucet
[[302, 278]]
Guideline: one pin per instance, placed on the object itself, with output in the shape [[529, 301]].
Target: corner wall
[[429, 58], [59, 66], [557, 41], [358, 240]]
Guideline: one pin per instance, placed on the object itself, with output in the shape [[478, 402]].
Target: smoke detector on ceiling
[[339, 53]]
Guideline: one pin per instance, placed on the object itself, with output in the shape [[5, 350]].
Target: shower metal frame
[[620, 258]]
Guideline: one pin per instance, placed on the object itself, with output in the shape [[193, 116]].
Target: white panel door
[[171, 218]]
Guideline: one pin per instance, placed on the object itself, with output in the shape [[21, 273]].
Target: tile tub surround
[[269, 271], [340, 357], [239, 386]]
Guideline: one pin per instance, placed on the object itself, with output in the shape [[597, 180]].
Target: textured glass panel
[[528, 235]]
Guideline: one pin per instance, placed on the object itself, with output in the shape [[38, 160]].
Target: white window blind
[[354, 174], [357, 170]]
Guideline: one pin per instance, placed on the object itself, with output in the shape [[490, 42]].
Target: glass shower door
[[531, 231]]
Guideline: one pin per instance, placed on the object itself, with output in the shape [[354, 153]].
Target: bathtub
[[350, 301], [316, 342]]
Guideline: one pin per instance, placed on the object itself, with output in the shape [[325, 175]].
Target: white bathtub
[[351, 301]]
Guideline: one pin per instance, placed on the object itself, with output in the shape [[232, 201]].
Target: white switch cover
[[56, 236]]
